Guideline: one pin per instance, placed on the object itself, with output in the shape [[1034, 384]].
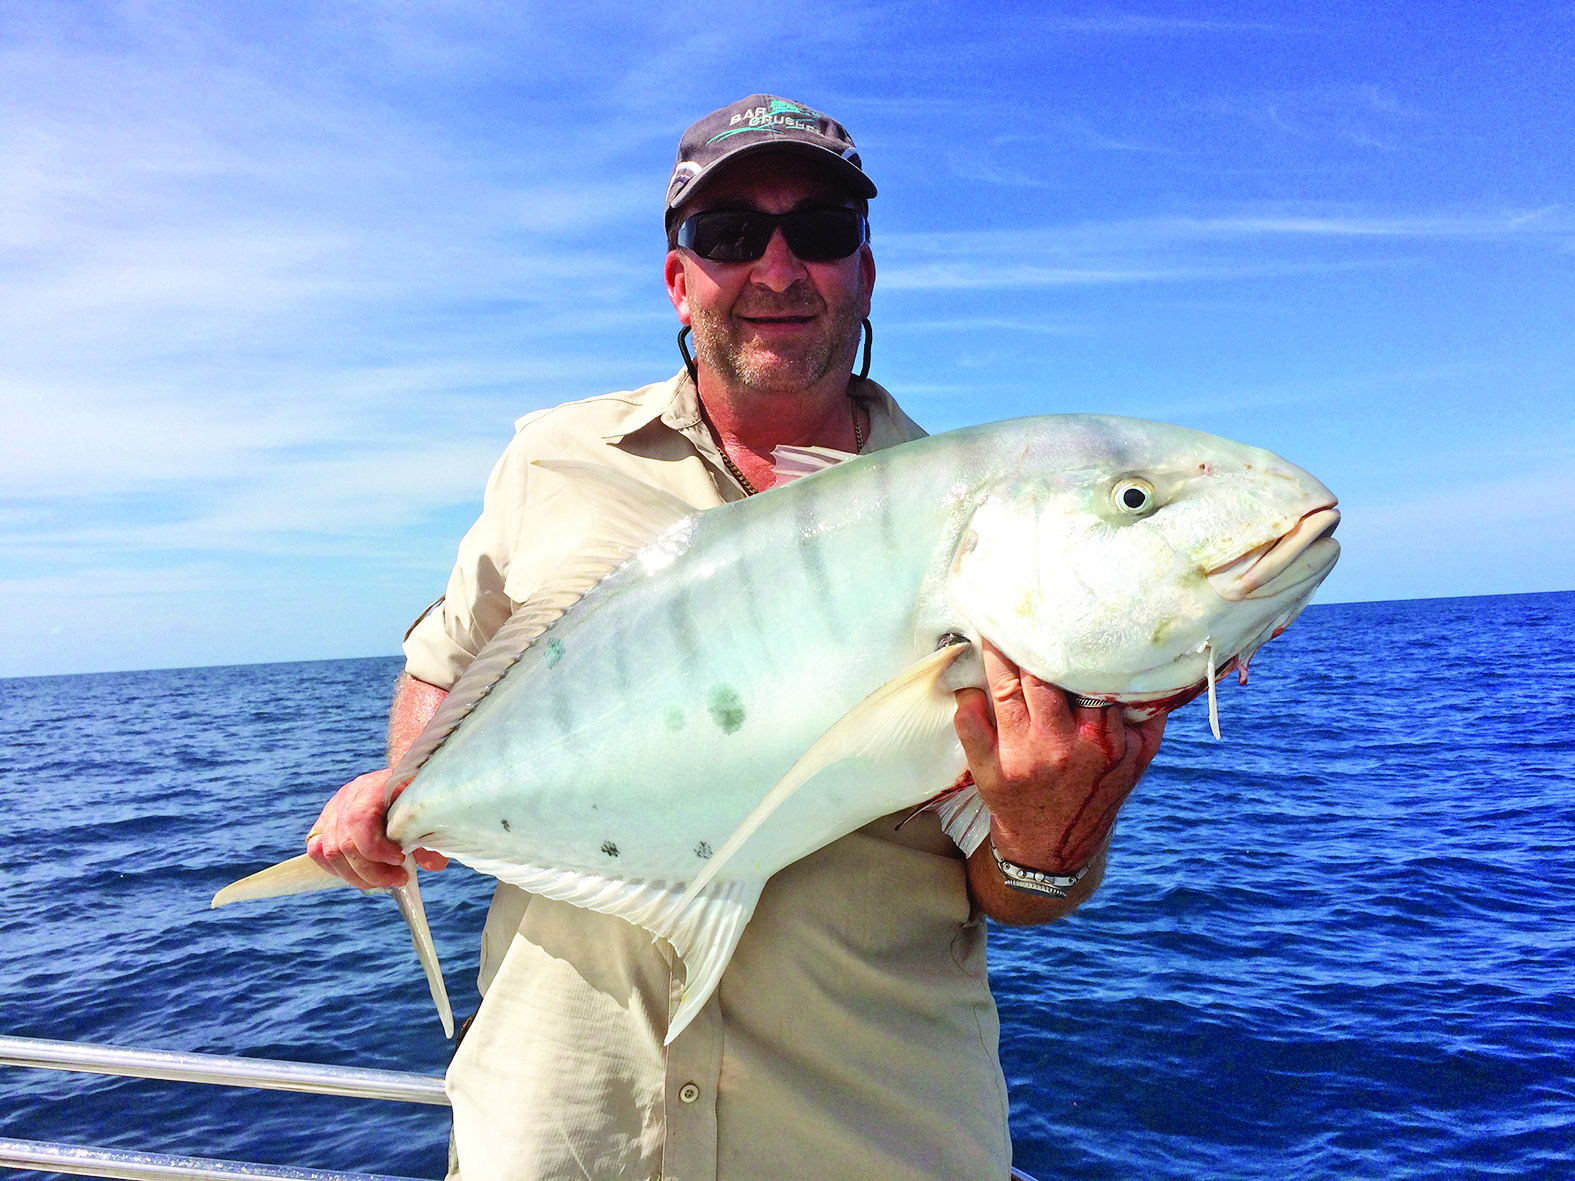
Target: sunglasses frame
[[790, 223]]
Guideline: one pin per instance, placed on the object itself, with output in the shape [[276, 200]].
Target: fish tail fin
[[299, 875], [408, 899]]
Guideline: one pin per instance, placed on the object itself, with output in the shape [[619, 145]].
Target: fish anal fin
[[703, 929], [298, 875], [916, 703]]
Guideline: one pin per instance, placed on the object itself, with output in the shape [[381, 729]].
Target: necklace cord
[[727, 460]]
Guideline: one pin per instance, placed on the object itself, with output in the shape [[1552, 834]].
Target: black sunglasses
[[741, 235]]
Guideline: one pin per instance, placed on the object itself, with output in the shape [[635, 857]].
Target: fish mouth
[[1303, 554]]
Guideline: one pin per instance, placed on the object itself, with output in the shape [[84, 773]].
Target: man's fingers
[[974, 729], [1022, 701], [350, 840], [427, 859]]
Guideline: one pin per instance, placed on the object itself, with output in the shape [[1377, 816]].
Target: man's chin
[[780, 373]]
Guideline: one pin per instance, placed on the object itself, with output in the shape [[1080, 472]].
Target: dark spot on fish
[[726, 708], [609, 848], [675, 719], [703, 851], [506, 827], [554, 652]]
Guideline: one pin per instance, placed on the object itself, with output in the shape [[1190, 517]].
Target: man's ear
[[676, 274]]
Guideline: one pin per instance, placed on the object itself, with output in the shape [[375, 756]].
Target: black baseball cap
[[755, 125]]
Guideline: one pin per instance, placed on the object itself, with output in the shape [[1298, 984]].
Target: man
[[853, 1034]]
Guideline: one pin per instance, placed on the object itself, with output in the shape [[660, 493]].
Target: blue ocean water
[[1334, 945]]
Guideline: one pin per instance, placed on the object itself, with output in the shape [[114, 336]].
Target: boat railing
[[175, 1066], [169, 1065]]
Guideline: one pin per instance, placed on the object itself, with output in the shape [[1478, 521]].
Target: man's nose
[[778, 268]]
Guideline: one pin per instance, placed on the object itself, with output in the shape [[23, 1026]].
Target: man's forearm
[[1004, 904], [414, 704]]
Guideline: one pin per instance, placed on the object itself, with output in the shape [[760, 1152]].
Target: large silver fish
[[705, 697]]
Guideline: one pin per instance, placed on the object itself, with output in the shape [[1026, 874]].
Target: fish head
[[1120, 559]]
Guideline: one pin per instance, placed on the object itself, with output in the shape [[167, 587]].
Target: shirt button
[[689, 1093]]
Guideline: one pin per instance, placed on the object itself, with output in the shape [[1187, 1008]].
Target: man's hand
[[1053, 775], [350, 838]]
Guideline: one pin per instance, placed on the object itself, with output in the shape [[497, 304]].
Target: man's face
[[777, 324]]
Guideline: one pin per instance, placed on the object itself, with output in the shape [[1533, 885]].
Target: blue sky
[[275, 280]]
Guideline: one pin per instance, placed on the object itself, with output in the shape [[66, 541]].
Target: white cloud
[[1167, 249], [274, 281]]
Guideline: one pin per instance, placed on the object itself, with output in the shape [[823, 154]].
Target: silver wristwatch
[[1034, 881]]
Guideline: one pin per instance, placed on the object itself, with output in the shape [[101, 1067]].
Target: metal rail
[[267, 1074], [170, 1065], [149, 1166]]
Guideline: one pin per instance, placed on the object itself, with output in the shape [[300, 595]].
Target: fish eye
[[1133, 496]]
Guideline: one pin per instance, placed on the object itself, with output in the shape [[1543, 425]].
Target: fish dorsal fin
[[703, 930], [794, 463], [627, 516], [917, 702]]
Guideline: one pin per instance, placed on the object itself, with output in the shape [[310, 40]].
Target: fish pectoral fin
[[299, 875], [908, 709]]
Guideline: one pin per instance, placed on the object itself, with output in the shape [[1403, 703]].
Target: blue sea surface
[[1334, 945]]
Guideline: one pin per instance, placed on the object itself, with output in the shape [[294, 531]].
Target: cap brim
[[849, 174]]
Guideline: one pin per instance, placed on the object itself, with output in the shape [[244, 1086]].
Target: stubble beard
[[730, 350]]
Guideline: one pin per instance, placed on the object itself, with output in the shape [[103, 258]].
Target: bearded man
[[853, 1034]]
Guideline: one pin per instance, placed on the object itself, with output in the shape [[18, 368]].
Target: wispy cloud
[[217, 263], [1126, 23], [275, 280], [1361, 114], [1170, 249]]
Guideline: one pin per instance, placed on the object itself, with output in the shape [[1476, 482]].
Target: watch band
[[1034, 881]]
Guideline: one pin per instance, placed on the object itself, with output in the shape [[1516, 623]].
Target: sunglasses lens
[[727, 235], [823, 235], [741, 235]]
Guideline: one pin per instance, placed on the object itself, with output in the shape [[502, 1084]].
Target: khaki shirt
[[853, 1034]]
